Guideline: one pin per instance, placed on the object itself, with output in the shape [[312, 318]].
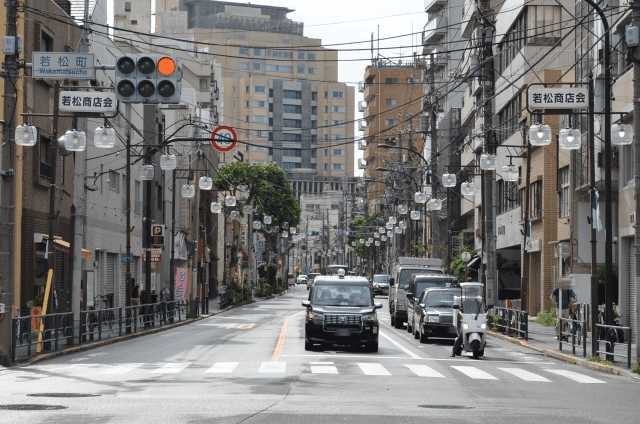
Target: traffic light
[[148, 79]]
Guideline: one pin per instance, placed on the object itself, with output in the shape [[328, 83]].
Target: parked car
[[419, 283], [311, 278], [434, 314], [380, 284], [302, 279], [341, 311]]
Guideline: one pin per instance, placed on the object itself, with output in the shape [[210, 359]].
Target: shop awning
[[60, 244]]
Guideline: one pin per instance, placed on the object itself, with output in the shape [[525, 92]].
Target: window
[[326, 109], [391, 102], [312, 56], [138, 201], [314, 110], [311, 71], [278, 68], [314, 153], [46, 164], [314, 139], [563, 198], [134, 22], [292, 137], [279, 53], [291, 165], [391, 81], [234, 90], [292, 123], [314, 96], [536, 199], [292, 153], [246, 118], [246, 146], [46, 43], [325, 152], [114, 181], [508, 118], [204, 84], [411, 80], [257, 52], [260, 104], [627, 157], [338, 152], [291, 94], [326, 94], [325, 122], [338, 123], [260, 149], [257, 66], [339, 166], [271, 92], [246, 88], [260, 134], [314, 123], [301, 55], [127, 6], [301, 69], [339, 109], [296, 109], [243, 51], [390, 122], [243, 66], [262, 119], [338, 137], [338, 95], [508, 196], [259, 89], [246, 103]]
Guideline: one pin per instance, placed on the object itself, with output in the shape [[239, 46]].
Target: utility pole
[[435, 219], [8, 186], [594, 231], [524, 285], [127, 278], [635, 21], [487, 129]]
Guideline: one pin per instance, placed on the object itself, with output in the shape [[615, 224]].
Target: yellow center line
[[283, 334], [251, 325]]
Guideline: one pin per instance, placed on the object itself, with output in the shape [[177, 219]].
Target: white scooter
[[470, 319]]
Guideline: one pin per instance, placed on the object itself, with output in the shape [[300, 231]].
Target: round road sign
[[224, 138], [466, 256]]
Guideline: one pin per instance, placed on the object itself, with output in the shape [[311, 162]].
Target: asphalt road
[[248, 365]]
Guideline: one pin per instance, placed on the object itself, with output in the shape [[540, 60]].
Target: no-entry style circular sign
[[224, 138]]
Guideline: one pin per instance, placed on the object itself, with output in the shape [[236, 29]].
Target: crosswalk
[[485, 372]]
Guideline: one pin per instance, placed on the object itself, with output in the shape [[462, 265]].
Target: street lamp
[[216, 207], [168, 162], [540, 135], [104, 137], [570, 139], [509, 173], [146, 172], [621, 134], [26, 135], [467, 189], [448, 180], [487, 162], [205, 183], [188, 191], [75, 141]]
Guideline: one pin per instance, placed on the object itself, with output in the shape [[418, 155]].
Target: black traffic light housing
[[148, 79]]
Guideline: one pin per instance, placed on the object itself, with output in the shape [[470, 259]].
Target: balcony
[[434, 32], [440, 60], [370, 91], [431, 6], [362, 164], [362, 105], [468, 18]]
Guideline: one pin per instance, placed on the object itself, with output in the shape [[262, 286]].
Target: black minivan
[[341, 311]]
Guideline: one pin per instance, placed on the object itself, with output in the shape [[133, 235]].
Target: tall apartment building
[[279, 89], [392, 99]]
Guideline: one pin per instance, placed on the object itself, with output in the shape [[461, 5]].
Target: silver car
[[380, 284]]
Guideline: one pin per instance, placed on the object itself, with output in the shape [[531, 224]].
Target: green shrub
[[548, 318], [636, 368], [597, 359]]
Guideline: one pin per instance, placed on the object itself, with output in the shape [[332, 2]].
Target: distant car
[[302, 279], [340, 310], [380, 284], [434, 314], [312, 277]]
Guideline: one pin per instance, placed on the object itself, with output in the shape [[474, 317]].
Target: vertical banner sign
[[181, 283]]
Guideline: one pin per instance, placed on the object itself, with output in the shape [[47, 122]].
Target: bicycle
[[108, 317]]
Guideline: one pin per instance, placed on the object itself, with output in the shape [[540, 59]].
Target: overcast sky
[[349, 21]]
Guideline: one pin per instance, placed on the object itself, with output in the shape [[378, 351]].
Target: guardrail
[[512, 321], [610, 336], [93, 325], [573, 327]]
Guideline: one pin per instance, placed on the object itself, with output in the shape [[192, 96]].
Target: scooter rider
[[457, 346]]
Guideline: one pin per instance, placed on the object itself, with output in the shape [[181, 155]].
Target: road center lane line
[[399, 346], [283, 335]]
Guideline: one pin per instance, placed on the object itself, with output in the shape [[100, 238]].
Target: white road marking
[[580, 378], [525, 375], [324, 369], [273, 367], [373, 369], [120, 369], [171, 368], [475, 373], [321, 363], [399, 346], [424, 371], [222, 367]]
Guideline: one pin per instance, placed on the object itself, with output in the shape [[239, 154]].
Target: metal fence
[[610, 336], [512, 321], [576, 331], [46, 333]]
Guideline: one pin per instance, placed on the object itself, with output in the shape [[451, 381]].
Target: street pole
[[594, 231], [172, 262], [8, 187], [524, 285], [127, 278], [53, 150], [635, 21], [435, 218]]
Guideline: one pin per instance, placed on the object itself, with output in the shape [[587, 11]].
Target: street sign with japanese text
[[156, 255], [558, 98], [59, 65], [87, 101]]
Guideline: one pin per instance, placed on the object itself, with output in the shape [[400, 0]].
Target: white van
[[403, 270]]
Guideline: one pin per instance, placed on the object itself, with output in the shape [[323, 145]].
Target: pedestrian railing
[[51, 330], [225, 297], [610, 336], [512, 321], [574, 333]]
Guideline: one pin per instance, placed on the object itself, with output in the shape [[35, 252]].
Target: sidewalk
[[543, 340]]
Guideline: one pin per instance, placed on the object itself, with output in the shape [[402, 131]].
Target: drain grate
[[31, 407], [63, 395], [445, 406]]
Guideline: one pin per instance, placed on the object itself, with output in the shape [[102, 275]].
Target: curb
[[93, 345], [568, 358]]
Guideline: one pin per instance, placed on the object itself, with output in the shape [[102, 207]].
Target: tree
[[363, 226]]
